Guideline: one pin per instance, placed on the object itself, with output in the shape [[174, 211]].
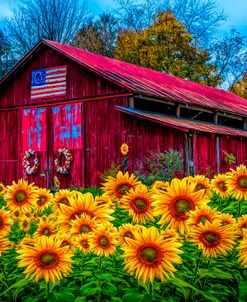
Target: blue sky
[[235, 10]]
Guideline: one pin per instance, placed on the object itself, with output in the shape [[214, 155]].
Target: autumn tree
[[240, 87], [56, 20], [166, 46], [98, 35]]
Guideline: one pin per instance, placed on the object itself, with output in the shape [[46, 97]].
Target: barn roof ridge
[[146, 81]]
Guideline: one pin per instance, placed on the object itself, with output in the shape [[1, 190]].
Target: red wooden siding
[[9, 146], [80, 81], [104, 137]]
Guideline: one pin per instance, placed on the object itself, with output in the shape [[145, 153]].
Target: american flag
[[48, 82]]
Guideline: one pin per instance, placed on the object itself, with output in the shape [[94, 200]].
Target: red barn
[[60, 97]]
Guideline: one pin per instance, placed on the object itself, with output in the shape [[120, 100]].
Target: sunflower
[[5, 222], [126, 230], [201, 215], [160, 185], [218, 184], [61, 197], [175, 204], [17, 214], [241, 225], [21, 195], [27, 240], [212, 238], [82, 242], [236, 181], [66, 240], [103, 242], [46, 259], [115, 188], [138, 203], [243, 249], [171, 234], [202, 183], [45, 198], [5, 244], [226, 219], [124, 149], [104, 199], [45, 229], [84, 204], [83, 224], [151, 256], [2, 189], [24, 224]]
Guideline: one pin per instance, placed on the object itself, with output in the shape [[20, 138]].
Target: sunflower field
[[183, 240]]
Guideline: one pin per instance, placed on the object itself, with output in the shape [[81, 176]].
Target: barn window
[[152, 106]]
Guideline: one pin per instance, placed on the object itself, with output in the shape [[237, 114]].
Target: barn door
[[67, 130], [34, 136]]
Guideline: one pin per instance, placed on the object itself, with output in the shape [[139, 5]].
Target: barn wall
[[80, 82], [106, 129], [9, 146]]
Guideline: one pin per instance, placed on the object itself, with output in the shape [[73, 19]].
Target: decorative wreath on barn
[[26, 162], [63, 169]]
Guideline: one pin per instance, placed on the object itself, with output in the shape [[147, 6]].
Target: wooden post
[[245, 125], [131, 102], [178, 110]]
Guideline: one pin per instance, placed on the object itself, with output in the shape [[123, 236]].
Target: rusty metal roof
[[182, 123]]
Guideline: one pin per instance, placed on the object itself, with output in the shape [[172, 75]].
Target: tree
[[56, 20], [6, 59], [99, 35], [200, 17], [240, 87], [166, 46], [230, 55]]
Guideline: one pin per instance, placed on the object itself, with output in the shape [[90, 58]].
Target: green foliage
[[229, 158], [111, 171], [161, 166]]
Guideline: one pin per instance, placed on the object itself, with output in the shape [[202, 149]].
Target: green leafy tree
[[240, 87], [166, 46]]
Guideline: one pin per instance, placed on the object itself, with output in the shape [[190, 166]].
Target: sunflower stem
[[239, 208], [149, 289], [2, 266], [196, 272]]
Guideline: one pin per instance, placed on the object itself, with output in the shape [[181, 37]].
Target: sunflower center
[[1, 222], [242, 182], [199, 187], [182, 206], [20, 196], [41, 200], [122, 189], [65, 243], [85, 229], [140, 204], [64, 201], [16, 214], [48, 259], [149, 254], [222, 186], [103, 241], [211, 238], [25, 223], [129, 235], [46, 232], [202, 219], [85, 244], [244, 226]]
